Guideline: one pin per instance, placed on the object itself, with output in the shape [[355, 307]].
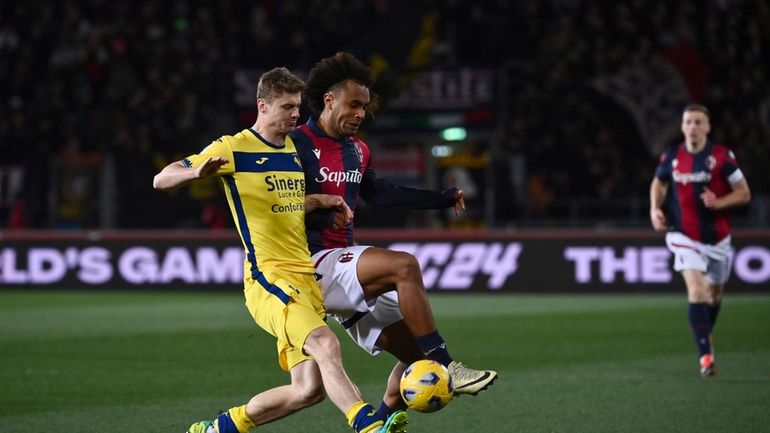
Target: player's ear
[[261, 106], [328, 99]]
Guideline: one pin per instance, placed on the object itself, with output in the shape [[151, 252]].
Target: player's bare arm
[[658, 190], [343, 215], [740, 195], [459, 202], [176, 174]]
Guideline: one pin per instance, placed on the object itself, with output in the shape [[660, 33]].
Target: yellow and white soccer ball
[[426, 386]]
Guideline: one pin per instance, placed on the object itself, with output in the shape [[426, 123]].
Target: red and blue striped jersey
[[688, 174], [343, 167]]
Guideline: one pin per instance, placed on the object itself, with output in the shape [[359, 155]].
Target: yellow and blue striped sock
[[235, 420], [363, 418]]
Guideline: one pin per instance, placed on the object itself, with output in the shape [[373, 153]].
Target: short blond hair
[[276, 82]]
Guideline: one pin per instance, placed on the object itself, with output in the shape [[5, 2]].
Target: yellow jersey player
[[265, 188]]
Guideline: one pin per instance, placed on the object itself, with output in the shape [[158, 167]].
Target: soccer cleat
[[202, 427], [396, 423], [469, 381], [708, 367]]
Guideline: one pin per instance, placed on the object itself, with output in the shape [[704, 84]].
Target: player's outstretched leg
[[469, 381], [378, 270]]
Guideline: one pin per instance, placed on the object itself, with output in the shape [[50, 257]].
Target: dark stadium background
[[566, 104]]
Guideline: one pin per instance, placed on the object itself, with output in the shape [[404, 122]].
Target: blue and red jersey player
[[704, 182], [376, 294], [714, 168]]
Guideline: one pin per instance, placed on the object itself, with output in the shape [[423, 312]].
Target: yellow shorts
[[290, 309]]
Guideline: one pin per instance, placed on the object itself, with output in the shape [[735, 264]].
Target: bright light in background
[[456, 133], [440, 151]]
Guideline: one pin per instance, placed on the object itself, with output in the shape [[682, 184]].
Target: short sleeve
[[730, 169], [663, 170], [219, 148]]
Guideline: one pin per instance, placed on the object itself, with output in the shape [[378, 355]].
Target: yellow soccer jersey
[[265, 187]]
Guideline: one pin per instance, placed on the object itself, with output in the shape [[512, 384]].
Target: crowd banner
[[451, 261]]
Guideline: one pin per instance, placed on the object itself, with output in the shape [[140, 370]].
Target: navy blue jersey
[[343, 167], [713, 167]]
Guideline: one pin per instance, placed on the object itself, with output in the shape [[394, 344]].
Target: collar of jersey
[[706, 148], [319, 132], [261, 138]]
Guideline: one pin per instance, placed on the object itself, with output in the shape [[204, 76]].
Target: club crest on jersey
[[711, 162], [359, 152], [346, 257]]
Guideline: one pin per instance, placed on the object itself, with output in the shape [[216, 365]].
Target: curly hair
[[330, 74], [277, 81]]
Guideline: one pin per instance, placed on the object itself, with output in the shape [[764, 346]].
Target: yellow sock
[[236, 418], [241, 419], [353, 411], [354, 420]]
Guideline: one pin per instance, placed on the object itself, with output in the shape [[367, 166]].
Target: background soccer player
[[376, 294], [265, 188], [706, 182]]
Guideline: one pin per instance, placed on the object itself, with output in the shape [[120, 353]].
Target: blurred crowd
[[135, 85], [577, 141]]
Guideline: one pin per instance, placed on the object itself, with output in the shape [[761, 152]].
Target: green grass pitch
[[119, 362]]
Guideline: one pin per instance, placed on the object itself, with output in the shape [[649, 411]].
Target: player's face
[[347, 109], [695, 127], [281, 114]]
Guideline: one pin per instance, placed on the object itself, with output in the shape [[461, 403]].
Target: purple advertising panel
[[457, 261]]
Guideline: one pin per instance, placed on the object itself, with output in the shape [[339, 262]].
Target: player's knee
[[698, 294], [406, 266], [323, 345]]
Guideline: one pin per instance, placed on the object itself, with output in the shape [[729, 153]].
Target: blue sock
[[226, 424], [714, 312], [364, 418], [434, 347], [700, 323], [384, 411]]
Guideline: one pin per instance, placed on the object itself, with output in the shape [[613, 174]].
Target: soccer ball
[[426, 386]]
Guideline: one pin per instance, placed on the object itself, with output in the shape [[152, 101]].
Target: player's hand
[[658, 220], [459, 202], [210, 167], [708, 198], [343, 216]]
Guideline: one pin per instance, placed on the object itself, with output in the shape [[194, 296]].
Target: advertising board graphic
[[451, 261]]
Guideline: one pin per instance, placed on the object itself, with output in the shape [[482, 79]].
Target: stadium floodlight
[[441, 151], [455, 133]]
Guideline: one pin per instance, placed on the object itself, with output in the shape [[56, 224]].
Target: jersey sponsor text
[[339, 177]]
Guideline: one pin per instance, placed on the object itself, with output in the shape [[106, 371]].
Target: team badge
[[359, 152], [711, 162], [346, 257]]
